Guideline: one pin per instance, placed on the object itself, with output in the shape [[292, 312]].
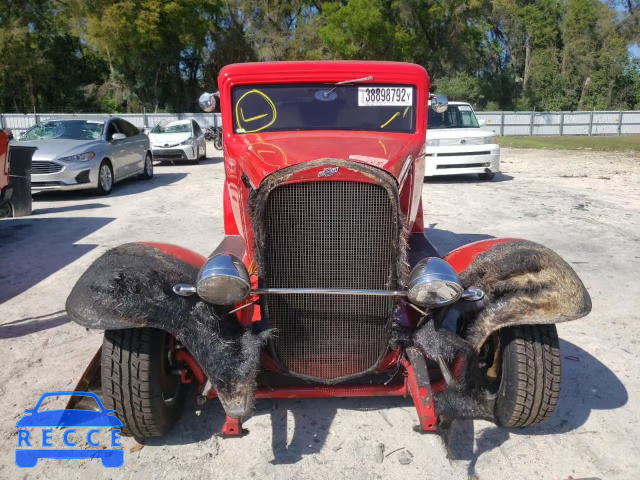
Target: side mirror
[[146, 130], [482, 123], [439, 103], [207, 101], [118, 136]]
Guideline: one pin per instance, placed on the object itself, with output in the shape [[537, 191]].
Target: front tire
[[217, 144], [137, 381], [105, 178], [530, 380], [487, 176], [147, 172]]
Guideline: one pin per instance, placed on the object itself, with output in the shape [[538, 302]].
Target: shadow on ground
[[130, 186], [587, 385], [27, 326], [455, 179], [32, 249]]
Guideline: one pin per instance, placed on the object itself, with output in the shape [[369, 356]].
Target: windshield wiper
[[326, 93]]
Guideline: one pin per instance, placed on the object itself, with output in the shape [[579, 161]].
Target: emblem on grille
[[166, 144], [463, 141], [328, 172]]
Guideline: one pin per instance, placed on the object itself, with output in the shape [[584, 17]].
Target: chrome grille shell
[[330, 234]]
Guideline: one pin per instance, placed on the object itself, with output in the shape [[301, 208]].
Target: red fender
[[461, 257], [188, 256]]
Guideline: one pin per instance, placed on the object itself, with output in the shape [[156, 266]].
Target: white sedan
[[177, 140], [456, 144]]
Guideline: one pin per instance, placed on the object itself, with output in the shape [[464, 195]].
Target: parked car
[[456, 144], [325, 284], [178, 140], [76, 154]]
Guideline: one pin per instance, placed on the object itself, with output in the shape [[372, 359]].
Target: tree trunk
[[585, 90], [528, 50]]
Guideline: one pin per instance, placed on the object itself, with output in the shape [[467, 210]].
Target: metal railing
[[502, 123], [19, 122], [562, 123]]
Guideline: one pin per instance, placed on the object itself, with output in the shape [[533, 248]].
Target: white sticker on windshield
[[464, 108], [385, 96]]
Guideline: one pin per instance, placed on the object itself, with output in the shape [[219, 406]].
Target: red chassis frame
[[415, 374]]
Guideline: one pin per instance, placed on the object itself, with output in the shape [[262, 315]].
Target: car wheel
[[105, 178], [487, 175], [147, 173], [138, 383], [530, 375]]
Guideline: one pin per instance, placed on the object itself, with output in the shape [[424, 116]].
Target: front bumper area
[[462, 160], [49, 175], [176, 153]]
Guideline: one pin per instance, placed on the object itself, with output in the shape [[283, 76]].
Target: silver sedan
[[75, 154]]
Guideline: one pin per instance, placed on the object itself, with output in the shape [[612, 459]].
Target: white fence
[[19, 122], [562, 123], [502, 123]]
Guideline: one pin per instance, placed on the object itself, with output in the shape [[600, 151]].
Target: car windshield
[[456, 116], [65, 130], [365, 107], [172, 127]]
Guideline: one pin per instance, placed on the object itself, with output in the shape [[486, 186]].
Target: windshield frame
[[450, 109], [23, 137], [333, 89]]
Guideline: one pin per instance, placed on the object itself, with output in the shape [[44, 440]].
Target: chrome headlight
[[223, 280], [433, 283], [433, 142], [82, 157]]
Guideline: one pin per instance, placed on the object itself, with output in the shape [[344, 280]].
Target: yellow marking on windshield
[[240, 115], [257, 117], [389, 121], [405, 112]]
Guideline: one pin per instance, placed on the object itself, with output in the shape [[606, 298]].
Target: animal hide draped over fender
[[524, 283], [130, 286]]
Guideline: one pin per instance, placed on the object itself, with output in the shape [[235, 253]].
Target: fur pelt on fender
[[131, 286], [524, 283]]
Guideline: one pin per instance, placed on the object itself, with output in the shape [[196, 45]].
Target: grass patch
[[627, 142]]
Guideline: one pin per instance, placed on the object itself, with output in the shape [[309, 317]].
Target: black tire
[[487, 176], [530, 381], [101, 189], [135, 378], [147, 172], [217, 144]]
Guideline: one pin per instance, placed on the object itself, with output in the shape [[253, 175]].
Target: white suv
[[457, 145]]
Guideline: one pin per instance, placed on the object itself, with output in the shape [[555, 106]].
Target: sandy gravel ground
[[584, 205]]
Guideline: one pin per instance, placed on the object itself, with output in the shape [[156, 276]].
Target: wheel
[[530, 375], [487, 175], [105, 178], [137, 381], [147, 173], [217, 143]]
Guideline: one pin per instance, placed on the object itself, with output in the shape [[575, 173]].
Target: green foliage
[[126, 55]]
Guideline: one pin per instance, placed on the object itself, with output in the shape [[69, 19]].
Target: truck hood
[[263, 154]]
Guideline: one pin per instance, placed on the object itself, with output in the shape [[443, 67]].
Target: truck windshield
[[456, 116], [271, 108]]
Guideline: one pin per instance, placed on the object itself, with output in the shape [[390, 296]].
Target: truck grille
[[329, 234], [38, 167]]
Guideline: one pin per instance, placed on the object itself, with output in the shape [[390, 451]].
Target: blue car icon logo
[[49, 419]]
